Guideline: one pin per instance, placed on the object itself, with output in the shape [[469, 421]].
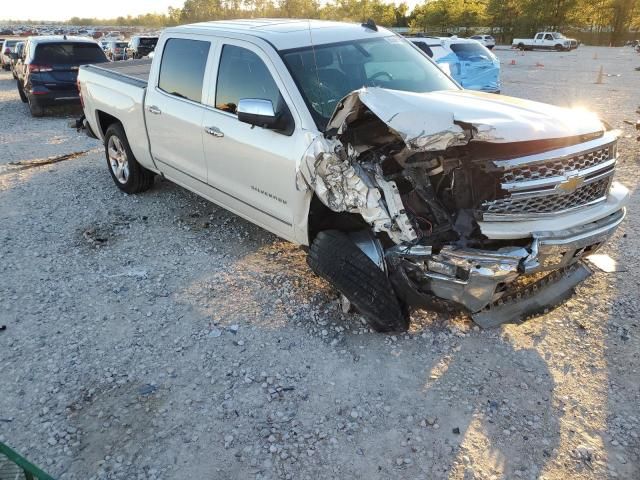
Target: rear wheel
[[35, 109], [127, 173], [334, 257], [521, 46], [23, 97]]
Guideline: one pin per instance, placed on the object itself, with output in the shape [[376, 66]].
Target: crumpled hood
[[434, 121]]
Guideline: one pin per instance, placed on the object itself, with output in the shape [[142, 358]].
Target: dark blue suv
[[49, 70]]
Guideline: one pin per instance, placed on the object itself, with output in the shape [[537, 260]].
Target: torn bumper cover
[[482, 282]]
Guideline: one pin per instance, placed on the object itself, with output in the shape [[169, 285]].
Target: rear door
[[57, 63], [174, 106]]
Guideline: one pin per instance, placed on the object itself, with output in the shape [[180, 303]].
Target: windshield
[[327, 73], [557, 35], [471, 52]]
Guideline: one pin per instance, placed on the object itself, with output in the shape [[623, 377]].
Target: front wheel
[[334, 257], [127, 173]]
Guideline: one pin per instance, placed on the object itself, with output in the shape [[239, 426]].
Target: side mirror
[[258, 111]]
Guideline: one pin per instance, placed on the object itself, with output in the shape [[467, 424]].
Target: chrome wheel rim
[[118, 160]]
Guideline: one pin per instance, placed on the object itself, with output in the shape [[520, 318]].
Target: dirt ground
[[161, 337]]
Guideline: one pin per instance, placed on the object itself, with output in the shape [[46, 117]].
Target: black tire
[[35, 109], [138, 179], [23, 97], [521, 46], [558, 48], [334, 257]]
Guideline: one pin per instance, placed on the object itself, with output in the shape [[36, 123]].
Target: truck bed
[[132, 71]]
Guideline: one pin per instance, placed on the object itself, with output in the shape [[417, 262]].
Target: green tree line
[[593, 21]]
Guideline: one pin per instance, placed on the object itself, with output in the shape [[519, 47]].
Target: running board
[[535, 299]]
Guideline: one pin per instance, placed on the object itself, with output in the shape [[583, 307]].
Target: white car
[[486, 40], [470, 63], [408, 191]]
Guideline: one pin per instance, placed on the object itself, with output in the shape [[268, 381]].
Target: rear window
[[10, 43], [470, 51], [69, 53], [182, 68], [148, 42], [122, 45]]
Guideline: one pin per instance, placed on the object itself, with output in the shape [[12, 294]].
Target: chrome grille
[[549, 203], [555, 168], [553, 182]]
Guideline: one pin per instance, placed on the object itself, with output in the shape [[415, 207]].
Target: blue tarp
[[476, 72]]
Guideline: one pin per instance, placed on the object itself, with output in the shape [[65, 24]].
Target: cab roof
[[285, 34]]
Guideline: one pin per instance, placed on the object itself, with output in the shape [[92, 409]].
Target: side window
[[539, 36], [548, 36], [242, 74], [182, 68]]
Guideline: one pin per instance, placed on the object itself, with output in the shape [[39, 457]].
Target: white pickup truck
[[408, 191], [545, 41]]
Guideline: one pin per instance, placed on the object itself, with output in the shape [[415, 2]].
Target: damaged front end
[[465, 207]]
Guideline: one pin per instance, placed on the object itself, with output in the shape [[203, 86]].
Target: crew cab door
[[174, 107], [253, 168], [539, 39]]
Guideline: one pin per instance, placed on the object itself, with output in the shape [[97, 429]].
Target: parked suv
[[16, 58], [486, 40], [116, 50], [6, 52], [141, 46], [49, 70]]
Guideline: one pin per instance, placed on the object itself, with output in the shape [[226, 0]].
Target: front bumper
[[481, 282]]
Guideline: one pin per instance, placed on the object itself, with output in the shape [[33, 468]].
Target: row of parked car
[[46, 67], [139, 46]]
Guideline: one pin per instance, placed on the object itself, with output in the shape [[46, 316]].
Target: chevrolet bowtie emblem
[[571, 183]]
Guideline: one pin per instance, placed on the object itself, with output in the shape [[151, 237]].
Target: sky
[[61, 10], [65, 9]]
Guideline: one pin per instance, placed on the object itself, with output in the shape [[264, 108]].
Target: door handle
[[153, 109], [215, 131]]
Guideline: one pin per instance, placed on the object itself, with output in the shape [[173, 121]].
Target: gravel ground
[[161, 337]]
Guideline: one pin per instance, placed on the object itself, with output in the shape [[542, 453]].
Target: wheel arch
[[105, 120], [320, 217]]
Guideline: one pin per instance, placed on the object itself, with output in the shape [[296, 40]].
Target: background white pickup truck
[[545, 41], [409, 191]]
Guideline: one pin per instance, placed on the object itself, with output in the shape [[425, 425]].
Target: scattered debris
[[93, 238], [24, 164], [147, 389], [605, 263]]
